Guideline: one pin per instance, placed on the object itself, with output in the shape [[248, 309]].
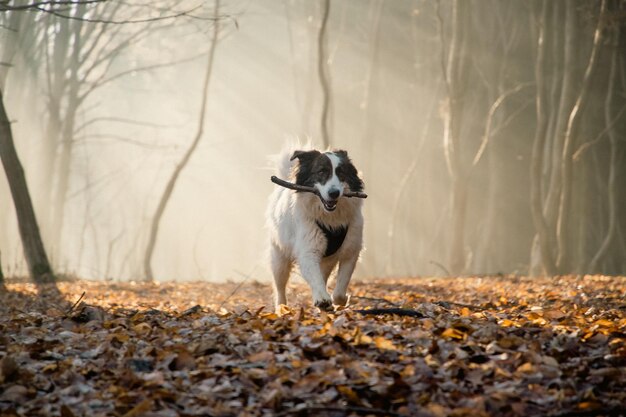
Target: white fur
[[296, 238], [334, 181]]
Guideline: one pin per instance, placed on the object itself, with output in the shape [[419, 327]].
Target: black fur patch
[[314, 168], [347, 172], [334, 237]]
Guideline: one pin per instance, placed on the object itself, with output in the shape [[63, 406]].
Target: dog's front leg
[[312, 273], [344, 274]]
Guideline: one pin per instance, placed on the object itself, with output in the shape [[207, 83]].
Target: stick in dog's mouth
[[313, 190]]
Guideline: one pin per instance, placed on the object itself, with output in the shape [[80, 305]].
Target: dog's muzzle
[[333, 197], [329, 205]]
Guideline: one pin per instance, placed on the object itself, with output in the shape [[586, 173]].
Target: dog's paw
[[324, 305], [340, 299]]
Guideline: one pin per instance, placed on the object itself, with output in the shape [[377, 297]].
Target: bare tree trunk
[[611, 182], [65, 137], [543, 234], [34, 251], [569, 47], [63, 175], [404, 181], [571, 132], [56, 51], [322, 62], [370, 83], [169, 188], [453, 63], [1, 274]]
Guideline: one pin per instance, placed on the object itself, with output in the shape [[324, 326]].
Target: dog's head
[[331, 173]]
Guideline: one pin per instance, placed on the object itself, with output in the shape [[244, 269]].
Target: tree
[[613, 159], [542, 241], [561, 99], [1, 273], [74, 71], [454, 62], [34, 251], [322, 62], [169, 187], [81, 58]]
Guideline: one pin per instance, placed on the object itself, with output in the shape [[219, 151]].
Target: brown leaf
[[14, 394], [384, 343], [183, 360], [454, 334], [349, 394], [139, 409], [66, 411], [8, 369], [264, 356]]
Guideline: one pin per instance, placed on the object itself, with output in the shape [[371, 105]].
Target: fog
[[393, 107]]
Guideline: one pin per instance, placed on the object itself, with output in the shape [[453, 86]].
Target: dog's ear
[[300, 155], [342, 154]]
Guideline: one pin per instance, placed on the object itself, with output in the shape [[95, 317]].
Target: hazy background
[[389, 104]]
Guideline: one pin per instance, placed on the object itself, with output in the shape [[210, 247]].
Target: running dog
[[316, 230]]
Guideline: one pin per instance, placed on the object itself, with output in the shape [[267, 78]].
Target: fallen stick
[[313, 190], [394, 311], [75, 304]]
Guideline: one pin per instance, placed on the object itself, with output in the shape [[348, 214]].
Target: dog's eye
[[324, 171]]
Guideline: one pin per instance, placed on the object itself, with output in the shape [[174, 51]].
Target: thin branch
[[107, 56], [123, 139], [443, 268], [313, 190], [494, 107], [234, 291], [583, 148], [104, 81], [186, 13], [316, 410], [37, 5], [75, 304], [406, 312], [95, 37], [374, 299], [121, 120]]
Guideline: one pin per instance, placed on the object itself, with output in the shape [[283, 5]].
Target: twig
[[313, 190], [609, 412], [587, 145], [239, 285], [6, 7], [75, 304], [187, 13], [397, 311], [448, 304], [314, 410], [443, 268], [375, 300]]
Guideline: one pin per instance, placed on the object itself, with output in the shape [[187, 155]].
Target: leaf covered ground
[[490, 346]]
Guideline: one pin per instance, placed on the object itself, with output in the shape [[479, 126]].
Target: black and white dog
[[316, 232]]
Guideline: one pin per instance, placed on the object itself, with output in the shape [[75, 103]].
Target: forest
[[136, 141], [492, 145]]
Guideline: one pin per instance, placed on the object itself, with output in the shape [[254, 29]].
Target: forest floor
[[488, 346]]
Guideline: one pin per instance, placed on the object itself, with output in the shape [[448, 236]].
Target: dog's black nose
[[333, 193]]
